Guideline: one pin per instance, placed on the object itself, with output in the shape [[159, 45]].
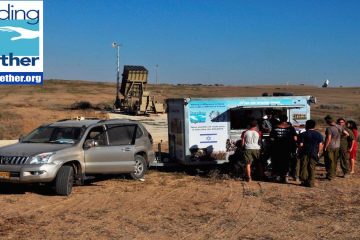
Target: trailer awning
[[267, 106]]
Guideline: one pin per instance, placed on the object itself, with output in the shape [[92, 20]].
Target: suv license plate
[[5, 175]]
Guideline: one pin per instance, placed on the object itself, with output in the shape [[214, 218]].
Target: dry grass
[[11, 125], [34, 105]]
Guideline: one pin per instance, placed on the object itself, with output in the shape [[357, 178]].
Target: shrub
[[82, 105]]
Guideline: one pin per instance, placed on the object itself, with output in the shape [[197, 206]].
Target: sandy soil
[[176, 204], [7, 142]]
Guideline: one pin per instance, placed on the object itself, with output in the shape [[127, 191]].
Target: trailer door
[[176, 129]]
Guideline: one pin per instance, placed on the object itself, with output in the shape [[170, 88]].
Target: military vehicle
[[134, 98]]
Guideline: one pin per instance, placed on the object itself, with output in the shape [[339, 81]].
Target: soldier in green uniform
[[332, 145], [346, 142]]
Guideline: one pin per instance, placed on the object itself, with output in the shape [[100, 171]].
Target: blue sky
[[237, 42]]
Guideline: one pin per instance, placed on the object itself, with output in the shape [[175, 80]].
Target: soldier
[[332, 145], [346, 143], [310, 146]]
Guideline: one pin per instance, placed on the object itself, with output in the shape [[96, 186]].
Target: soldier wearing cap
[[332, 146]]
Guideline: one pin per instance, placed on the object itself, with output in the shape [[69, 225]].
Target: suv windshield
[[48, 134]]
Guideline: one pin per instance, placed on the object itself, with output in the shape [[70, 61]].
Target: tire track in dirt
[[41, 215], [237, 216], [99, 199], [209, 226], [157, 201], [258, 207], [51, 206], [320, 232], [233, 197], [285, 225], [290, 224], [87, 204], [154, 200], [75, 202], [130, 204], [178, 226], [324, 231], [85, 201], [217, 221], [106, 198]]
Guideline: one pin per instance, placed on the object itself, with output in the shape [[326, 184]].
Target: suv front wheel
[[140, 167], [64, 180]]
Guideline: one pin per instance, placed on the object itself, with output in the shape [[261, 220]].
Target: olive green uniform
[[344, 154], [309, 154], [307, 173], [251, 155], [331, 155]]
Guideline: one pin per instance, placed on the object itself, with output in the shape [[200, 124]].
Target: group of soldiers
[[296, 155]]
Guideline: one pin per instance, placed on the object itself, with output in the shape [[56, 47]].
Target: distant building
[[326, 83]]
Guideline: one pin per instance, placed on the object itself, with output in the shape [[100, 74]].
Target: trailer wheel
[[64, 181], [140, 167]]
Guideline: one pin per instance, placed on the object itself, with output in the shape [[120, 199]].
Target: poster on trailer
[[208, 124]]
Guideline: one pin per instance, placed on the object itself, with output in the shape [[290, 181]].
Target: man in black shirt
[[283, 144]]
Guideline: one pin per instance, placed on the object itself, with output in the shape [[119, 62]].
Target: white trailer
[[203, 130]]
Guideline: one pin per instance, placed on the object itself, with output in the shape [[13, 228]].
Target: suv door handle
[[127, 149]]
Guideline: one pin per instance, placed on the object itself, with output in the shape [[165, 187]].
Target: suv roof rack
[[78, 118], [116, 120]]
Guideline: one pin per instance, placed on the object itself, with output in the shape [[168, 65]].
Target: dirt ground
[[175, 203]]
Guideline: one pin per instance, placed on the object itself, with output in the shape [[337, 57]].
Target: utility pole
[[117, 103], [156, 73]]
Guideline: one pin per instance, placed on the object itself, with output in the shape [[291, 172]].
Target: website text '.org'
[[20, 78]]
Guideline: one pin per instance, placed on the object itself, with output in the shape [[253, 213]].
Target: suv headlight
[[41, 158]]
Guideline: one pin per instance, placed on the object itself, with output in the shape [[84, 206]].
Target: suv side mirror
[[90, 143]]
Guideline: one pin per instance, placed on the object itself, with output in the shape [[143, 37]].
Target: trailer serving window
[[240, 117]]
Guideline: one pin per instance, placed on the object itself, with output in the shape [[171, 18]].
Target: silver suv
[[64, 152]]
